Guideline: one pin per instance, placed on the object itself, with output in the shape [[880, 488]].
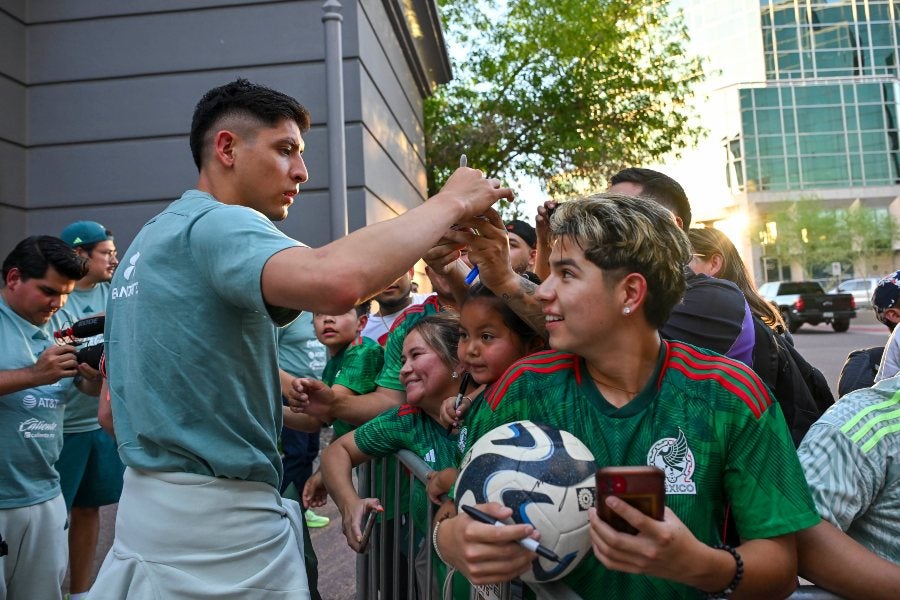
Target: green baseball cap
[[82, 233]]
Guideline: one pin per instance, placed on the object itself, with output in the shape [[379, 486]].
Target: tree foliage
[[565, 91], [813, 235]]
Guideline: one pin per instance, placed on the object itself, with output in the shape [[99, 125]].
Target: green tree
[[565, 91], [812, 234]]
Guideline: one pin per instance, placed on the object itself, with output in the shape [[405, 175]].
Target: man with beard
[[89, 466], [391, 302]]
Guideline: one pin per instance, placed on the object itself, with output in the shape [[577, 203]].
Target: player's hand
[[352, 518], [314, 492], [661, 548], [54, 363], [473, 191], [484, 553], [312, 397]]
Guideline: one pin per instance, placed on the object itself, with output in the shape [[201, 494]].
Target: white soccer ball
[[546, 476]]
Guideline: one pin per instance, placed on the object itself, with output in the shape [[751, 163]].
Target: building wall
[[100, 95]]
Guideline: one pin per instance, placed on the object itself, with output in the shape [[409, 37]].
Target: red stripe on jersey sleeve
[[416, 308], [701, 366], [549, 361]]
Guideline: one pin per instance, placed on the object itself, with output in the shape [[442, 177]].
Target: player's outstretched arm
[[338, 460], [667, 549], [484, 553], [833, 560], [332, 279]]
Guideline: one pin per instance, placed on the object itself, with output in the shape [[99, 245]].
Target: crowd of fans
[[609, 318]]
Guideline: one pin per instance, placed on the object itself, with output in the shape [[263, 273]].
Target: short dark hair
[[364, 308], [659, 187], [34, 254], [246, 100]]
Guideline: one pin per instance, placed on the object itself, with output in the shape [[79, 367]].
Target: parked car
[[860, 288], [806, 302]]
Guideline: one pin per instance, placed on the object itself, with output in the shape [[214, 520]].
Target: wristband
[[434, 540], [738, 573]]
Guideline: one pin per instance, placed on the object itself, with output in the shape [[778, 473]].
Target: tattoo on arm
[[526, 305]]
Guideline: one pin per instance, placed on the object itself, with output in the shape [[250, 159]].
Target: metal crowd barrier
[[378, 571]]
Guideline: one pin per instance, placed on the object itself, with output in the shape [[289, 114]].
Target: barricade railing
[[378, 571]]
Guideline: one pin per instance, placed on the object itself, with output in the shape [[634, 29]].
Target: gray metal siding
[[96, 100]]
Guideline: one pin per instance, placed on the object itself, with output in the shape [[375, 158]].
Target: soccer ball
[[546, 476]]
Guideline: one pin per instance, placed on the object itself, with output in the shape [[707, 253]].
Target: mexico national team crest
[[673, 456]]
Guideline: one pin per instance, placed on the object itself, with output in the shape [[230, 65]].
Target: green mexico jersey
[[355, 367], [706, 420], [409, 428], [389, 377]]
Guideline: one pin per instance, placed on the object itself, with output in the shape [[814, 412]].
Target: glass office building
[[827, 114]]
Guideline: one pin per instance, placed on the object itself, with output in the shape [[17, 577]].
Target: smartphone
[[366, 526], [642, 487]]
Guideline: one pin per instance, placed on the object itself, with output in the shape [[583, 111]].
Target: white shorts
[[186, 536], [38, 541]]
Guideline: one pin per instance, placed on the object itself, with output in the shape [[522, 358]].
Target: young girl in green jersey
[[492, 337]]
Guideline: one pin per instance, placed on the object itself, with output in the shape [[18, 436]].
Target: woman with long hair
[[716, 256]]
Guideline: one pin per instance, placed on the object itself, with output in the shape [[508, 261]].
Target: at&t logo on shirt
[[31, 401]]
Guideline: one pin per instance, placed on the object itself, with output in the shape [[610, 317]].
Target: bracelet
[[434, 540], [738, 573]]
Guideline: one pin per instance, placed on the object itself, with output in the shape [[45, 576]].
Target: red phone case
[[642, 487]]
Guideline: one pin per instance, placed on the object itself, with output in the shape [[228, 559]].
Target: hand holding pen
[[463, 386], [528, 543]]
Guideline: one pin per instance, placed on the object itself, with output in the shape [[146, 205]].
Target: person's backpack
[[859, 370], [799, 388]]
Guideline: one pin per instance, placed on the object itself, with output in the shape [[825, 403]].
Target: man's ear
[[225, 143], [634, 290], [13, 278], [892, 315]]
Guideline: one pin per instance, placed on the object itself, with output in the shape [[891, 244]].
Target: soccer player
[[191, 351], [635, 399]]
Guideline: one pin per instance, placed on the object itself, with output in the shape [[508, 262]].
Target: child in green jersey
[[353, 364]]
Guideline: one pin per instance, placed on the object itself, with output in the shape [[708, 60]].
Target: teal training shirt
[[191, 347], [31, 420], [299, 352], [81, 409]]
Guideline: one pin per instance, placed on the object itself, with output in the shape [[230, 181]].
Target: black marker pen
[[527, 542]]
